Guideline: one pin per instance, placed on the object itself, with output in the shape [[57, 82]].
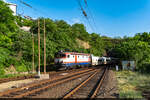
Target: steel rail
[[99, 84], [3, 80], [41, 82], [51, 85], [74, 90]]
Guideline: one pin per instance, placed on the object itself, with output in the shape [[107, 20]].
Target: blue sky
[[112, 18]]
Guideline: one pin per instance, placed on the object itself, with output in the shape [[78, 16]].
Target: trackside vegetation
[[132, 84], [16, 48], [16, 44]]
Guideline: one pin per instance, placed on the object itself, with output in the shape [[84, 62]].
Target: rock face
[[10, 70], [83, 44], [25, 28]]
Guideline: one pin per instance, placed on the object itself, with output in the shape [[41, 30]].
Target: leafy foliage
[[6, 19], [16, 44], [97, 45], [137, 49]]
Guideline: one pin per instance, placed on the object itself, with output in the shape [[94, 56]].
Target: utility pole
[[39, 46], [33, 53], [44, 49]]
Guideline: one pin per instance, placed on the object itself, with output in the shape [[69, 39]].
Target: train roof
[[75, 53]]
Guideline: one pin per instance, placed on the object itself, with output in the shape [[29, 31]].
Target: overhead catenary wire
[[82, 9], [85, 14], [20, 9], [85, 1], [33, 8], [25, 3]]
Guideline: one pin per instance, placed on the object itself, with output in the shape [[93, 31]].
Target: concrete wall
[[128, 65], [13, 7]]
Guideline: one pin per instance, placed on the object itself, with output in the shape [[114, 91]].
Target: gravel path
[[15, 84]]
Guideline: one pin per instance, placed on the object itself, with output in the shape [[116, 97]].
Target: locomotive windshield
[[60, 55]]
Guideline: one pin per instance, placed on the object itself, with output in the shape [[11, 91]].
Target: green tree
[[97, 45]]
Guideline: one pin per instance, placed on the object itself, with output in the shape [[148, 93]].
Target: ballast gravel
[[60, 90], [109, 87], [20, 83]]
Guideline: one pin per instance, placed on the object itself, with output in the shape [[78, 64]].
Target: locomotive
[[68, 59], [71, 59]]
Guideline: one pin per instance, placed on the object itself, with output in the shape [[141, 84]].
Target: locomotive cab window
[[100, 60], [68, 56], [60, 55], [107, 59]]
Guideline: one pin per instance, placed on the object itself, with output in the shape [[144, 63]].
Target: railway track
[[51, 74], [58, 74], [89, 87], [3, 80], [43, 85]]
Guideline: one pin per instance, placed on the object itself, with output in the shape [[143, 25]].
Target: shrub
[[21, 68], [2, 72]]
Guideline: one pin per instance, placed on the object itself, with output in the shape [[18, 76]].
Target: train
[[72, 59]]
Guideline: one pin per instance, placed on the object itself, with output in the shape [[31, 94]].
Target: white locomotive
[[72, 58], [69, 59]]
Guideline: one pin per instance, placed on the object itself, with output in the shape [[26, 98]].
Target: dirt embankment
[[83, 44]]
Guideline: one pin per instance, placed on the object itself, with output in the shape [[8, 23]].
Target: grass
[[130, 94], [12, 75], [9, 75], [132, 84]]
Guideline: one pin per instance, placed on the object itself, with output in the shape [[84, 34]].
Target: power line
[[22, 7], [85, 14], [85, 1], [36, 10], [82, 9], [25, 3]]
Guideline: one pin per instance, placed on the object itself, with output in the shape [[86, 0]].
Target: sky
[[113, 18]]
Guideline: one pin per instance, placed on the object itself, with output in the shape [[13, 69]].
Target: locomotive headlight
[[61, 61]]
